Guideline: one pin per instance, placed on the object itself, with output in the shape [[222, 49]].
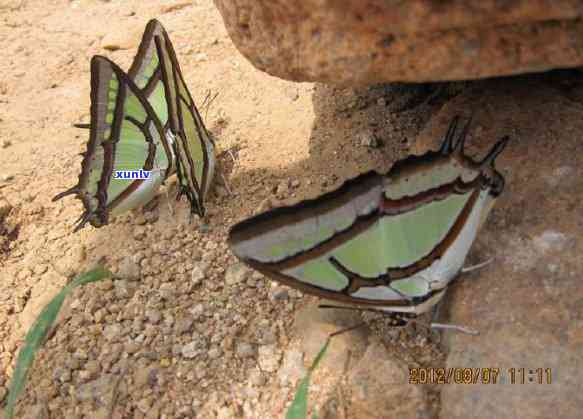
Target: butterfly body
[[147, 121], [392, 241]]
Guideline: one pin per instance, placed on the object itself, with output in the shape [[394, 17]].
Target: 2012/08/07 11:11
[[491, 375]]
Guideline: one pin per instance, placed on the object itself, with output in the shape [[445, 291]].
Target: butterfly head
[[447, 166], [493, 178]]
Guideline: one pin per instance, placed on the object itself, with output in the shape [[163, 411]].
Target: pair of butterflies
[[144, 128], [390, 242]]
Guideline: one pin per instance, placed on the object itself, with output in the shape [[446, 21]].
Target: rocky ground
[[184, 330]]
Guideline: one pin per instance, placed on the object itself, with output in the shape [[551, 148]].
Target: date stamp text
[[456, 375]]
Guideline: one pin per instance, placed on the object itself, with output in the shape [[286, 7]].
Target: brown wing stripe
[[109, 151], [363, 223], [178, 130], [410, 203], [151, 85], [323, 293], [192, 109], [355, 281], [281, 217]]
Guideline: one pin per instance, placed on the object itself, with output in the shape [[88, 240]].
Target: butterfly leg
[[477, 266], [456, 327], [347, 329], [436, 325], [227, 187]]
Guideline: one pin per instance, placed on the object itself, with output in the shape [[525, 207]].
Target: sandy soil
[[284, 142]]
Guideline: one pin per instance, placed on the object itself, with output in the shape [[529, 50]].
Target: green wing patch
[[125, 134]]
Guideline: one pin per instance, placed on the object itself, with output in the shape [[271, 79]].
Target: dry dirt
[[184, 314], [284, 141]]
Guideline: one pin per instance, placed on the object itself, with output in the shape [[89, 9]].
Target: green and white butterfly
[[392, 241], [144, 120]]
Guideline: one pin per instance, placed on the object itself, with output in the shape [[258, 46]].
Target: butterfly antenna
[[496, 150], [459, 146], [446, 146]]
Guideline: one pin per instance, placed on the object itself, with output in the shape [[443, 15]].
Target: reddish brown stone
[[357, 42]]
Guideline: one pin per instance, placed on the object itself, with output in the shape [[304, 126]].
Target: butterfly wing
[[125, 134], [392, 241], [193, 146], [146, 72]]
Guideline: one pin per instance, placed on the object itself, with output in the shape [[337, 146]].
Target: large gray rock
[[357, 42], [528, 304]]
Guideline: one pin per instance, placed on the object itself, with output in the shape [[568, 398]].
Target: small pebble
[[268, 358], [367, 138], [197, 311], [112, 331], [200, 57], [184, 325], [279, 294], [6, 178], [199, 272], [214, 353], [153, 315], [139, 232], [245, 350], [282, 190], [192, 349]]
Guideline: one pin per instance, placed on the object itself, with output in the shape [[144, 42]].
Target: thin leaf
[[299, 406], [38, 332]]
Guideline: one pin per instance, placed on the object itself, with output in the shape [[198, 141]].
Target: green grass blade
[[299, 406], [37, 333]]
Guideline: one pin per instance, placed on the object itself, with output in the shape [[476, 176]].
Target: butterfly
[[144, 128], [391, 242]]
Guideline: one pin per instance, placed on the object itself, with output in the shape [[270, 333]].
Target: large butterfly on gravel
[[392, 242], [144, 128]]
